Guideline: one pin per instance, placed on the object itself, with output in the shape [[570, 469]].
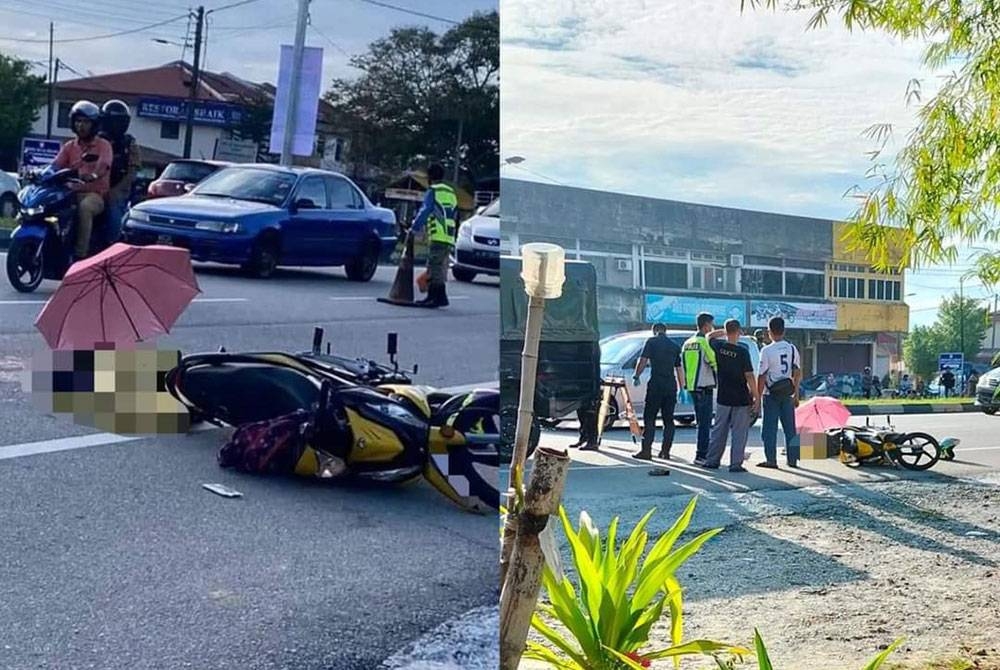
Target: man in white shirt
[[778, 384]]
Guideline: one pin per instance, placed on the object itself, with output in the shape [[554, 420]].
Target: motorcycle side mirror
[[416, 368], [317, 340], [393, 344], [189, 187]]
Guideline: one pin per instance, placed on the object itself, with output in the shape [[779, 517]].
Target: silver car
[[477, 250], [619, 354]]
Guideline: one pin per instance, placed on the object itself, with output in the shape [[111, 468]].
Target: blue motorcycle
[[42, 244]]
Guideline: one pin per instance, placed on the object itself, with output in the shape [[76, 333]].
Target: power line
[[332, 43], [537, 174], [404, 10], [230, 6], [108, 11], [98, 37]]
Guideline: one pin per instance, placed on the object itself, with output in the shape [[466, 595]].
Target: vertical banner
[[307, 100]]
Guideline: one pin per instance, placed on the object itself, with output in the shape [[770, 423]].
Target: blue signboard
[[205, 113], [38, 154], [676, 310], [951, 361]]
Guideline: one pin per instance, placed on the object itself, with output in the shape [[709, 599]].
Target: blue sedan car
[[263, 216]]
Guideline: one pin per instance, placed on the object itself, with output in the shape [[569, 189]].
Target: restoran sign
[[205, 113]]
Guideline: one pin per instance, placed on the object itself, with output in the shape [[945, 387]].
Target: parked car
[[619, 354], [264, 216], [477, 250], [9, 186], [845, 385], [180, 175], [986, 391]]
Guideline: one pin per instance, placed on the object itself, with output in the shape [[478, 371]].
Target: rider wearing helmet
[[93, 186], [115, 119]]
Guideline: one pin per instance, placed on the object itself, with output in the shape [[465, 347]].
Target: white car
[[619, 354], [477, 250], [9, 187]]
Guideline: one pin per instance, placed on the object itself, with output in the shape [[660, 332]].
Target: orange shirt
[[71, 156]]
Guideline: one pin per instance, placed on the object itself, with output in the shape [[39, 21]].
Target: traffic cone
[[401, 292]]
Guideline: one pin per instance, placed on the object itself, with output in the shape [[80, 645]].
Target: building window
[[170, 130], [804, 284], [666, 275], [762, 282], [884, 289], [62, 116], [719, 280], [847, 287]]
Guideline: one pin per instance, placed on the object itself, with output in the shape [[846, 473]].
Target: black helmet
[[85, 109], [115, 117]]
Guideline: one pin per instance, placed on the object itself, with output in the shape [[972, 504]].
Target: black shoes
[[643, 456]]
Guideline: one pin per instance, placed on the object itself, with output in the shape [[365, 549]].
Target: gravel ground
[[831, 575]]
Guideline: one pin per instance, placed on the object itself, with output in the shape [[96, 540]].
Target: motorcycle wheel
[[23, 272], [916, 451]]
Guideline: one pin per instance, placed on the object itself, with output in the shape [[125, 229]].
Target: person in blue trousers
[[778, 384]]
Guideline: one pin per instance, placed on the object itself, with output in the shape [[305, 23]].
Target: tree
[[415, 91], [255, 123], [942, 191], [960, 320], [962, 323], [23, 95]]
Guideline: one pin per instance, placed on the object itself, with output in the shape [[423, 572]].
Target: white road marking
[[366, 298], [64, 444], [102, 439]]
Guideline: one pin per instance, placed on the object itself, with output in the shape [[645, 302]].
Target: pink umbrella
[[121, 296], [821, 413]]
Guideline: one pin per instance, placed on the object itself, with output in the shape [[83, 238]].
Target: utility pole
[[195, 76], [993, 324], [961, 315], [458, 151], [291, 112], [48, 123]]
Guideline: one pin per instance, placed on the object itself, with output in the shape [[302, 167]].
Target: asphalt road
[[113, 556]]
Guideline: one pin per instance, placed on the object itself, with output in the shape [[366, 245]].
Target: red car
[[180, 175]]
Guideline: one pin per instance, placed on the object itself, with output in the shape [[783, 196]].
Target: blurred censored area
[[116, 391]]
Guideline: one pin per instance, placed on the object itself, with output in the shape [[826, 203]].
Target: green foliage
[[925, 343], [23, 94], [618, 597], [416, 88], [942, 190]]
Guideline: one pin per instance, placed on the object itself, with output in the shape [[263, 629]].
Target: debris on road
[[224, 491]]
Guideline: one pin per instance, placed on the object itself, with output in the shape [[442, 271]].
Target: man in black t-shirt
[[737, 398], [666, 376]]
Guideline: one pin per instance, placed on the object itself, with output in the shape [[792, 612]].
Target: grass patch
[[918, 401]]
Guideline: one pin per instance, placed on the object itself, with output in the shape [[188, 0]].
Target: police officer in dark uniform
[[666, 377]]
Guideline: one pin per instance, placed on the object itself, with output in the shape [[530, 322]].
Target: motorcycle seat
[[892, 437]]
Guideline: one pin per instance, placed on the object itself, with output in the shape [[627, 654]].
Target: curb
[[922, 408], [468, 642]]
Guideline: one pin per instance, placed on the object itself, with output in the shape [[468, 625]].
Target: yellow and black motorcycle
[[861, 445], [384, 433]]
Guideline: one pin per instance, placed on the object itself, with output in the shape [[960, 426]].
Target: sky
[[692, 100], [243, 40]]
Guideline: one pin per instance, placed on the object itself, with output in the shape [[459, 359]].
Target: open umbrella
[[821, 413], [121, 296]]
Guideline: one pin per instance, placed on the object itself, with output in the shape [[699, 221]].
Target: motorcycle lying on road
[[863, 445], [41, 247], [381, 433]]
